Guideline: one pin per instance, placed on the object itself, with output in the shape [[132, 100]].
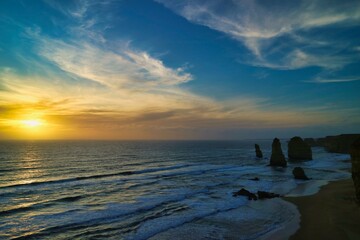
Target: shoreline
[[332, 213]]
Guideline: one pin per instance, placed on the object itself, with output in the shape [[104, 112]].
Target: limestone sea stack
[[277, 156], [258, 151], [355, 166], [298, 149], [299, 173]]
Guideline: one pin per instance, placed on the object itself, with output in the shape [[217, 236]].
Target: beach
[[332, 213]]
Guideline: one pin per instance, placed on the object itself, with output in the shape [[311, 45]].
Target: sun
[[32, 123], [33, 128]]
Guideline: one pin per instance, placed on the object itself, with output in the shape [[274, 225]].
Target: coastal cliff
[[335, 144], [355, 166]]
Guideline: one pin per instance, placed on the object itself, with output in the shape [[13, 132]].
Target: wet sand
[[330, 214]]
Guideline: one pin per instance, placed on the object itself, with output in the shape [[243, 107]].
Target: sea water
[[150, 189]]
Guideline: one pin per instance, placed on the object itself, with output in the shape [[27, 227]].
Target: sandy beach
[[330, 214]]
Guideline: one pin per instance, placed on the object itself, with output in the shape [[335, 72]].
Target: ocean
[[151, 189]]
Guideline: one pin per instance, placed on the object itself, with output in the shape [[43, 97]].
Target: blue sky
[[169, 69]]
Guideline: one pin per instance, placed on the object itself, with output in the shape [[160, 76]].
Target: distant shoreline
[[332, 213]]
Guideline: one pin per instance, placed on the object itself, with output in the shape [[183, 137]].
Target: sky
[[171, 69]]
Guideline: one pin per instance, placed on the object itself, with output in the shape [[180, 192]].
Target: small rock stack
[[277, 156], [299, 173], [355, 166], [298, 149], [258, 151]]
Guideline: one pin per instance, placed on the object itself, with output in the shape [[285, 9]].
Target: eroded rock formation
[[258, 151], [299, 173], [298, 149], [246, 193], [277, 156]]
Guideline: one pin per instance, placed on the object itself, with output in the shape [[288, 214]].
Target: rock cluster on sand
[[252, 196], [299, 173], [298, 149], [355, 166], [277, 156], [246, 193], [267, 195], [258, 151]]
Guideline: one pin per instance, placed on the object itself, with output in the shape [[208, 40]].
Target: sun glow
[[32, 123], [28, 128]]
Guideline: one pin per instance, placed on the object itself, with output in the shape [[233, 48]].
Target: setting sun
[[32, 123]]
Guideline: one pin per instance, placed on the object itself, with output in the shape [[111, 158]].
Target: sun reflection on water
[[29, 164]]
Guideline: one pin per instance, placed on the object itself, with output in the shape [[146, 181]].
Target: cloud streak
[[335, 80], [280, 36], [113, 69]]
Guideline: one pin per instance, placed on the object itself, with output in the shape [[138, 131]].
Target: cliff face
[[355, 166], [338, 144]]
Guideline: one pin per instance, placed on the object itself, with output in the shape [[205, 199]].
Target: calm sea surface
[[148, 189]]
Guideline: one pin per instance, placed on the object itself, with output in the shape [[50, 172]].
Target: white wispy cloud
[[335, 80], [77, 9], [88, 55], [87, 17], [279, 35], [111, 68], [155, 69], [297, 58]]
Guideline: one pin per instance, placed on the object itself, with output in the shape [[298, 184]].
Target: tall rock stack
[[258, 151], [355, 166], [298, 149], [277, 156]]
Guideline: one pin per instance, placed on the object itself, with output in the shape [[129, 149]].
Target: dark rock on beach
[[258, 151], [277, 156], [252, 196], [298, 149], [355, 166], [299, 173], [246, 193], [254, 179], [267, 195]]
